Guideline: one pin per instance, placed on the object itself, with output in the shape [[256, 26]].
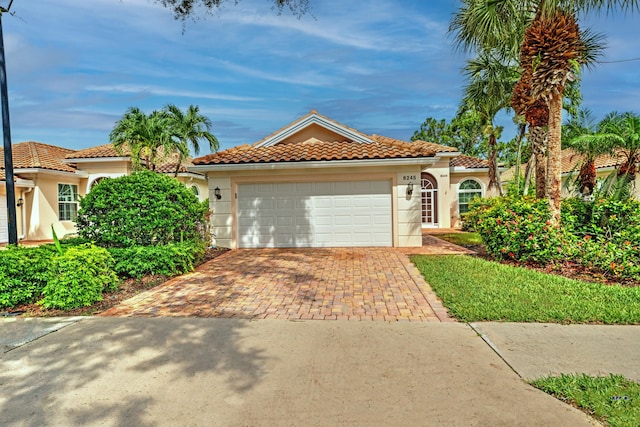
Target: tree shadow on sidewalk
[[115, 371]]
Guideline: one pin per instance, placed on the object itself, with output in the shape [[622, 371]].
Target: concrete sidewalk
[[536, 350], [234, 372]]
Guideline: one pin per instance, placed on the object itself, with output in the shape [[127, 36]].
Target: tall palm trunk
[[494, 186], [554, 165], [538, 137]]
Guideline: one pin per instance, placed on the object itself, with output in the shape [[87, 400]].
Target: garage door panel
[[321, 214]]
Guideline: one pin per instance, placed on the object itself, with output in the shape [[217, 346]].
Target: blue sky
[[75, 66]]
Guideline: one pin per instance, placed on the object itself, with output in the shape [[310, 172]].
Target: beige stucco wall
[[406, 215], [456, 179], [440, 171], [200, 183], [41, 206], [97, 169]]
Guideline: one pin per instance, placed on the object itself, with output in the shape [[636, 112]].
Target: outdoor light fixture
[[20, 202], [216, 192], [409, 189], [6, 133]]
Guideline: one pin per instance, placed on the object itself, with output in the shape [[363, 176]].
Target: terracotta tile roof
[[571, 160], [166, 165], [468, 162], [101, 151], [571, 163], [36, 155], [316, 150], [428, 145]]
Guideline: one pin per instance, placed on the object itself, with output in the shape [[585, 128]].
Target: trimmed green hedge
[[78, 277], [166, 260], [143, 209]]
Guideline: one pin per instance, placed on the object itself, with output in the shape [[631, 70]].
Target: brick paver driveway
[[344, 283]]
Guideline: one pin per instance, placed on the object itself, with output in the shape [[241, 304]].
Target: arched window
[[469, 189], [195, 190]]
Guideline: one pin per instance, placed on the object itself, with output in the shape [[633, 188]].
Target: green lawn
[[612, 399], [463, 238], [474, 289]]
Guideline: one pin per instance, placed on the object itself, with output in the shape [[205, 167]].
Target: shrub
[[23, 274], [167, 260], [78, 277], [144, 209], [519, 228]]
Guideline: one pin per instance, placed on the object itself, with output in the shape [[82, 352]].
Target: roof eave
[[315, 164]]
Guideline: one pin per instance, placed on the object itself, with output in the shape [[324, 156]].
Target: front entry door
[[429, 193]]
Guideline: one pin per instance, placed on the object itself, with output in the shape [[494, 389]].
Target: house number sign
[[407, 178]]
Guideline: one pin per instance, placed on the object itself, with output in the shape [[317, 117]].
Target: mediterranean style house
[[49, 181], [318, 183]]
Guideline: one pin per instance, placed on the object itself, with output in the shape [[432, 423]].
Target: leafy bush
[[167, 260], [608, 231], [518, 228], [144, 209], [78, 277], [23, 274]]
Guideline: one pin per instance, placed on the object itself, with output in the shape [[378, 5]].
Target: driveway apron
[[323, 284]]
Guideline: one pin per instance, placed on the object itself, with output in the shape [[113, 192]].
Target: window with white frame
[[468, 190], [195, 190], [67, 202]]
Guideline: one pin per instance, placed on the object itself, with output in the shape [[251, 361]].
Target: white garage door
[[315, 214], [4, 226]]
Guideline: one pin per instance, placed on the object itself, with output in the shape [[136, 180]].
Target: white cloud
[[161, 91]]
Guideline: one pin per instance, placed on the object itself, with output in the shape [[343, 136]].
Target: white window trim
[[471, 178], [59, 201]]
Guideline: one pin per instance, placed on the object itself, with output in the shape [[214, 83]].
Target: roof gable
[[314, 125]]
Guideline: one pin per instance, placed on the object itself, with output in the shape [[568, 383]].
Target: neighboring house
[[571, 162], [49, 181], [317, 182]]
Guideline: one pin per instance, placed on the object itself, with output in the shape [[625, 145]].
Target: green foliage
[[166, 260], [23, 274], [143, 209], [465, 132], [602, 234], [474, 290], [518, 228], [609, 230], [78, 277], [613, 399]]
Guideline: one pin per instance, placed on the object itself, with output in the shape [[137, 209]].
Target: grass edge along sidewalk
[[612, 399], [474, 289]]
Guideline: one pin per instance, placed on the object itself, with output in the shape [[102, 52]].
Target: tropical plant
[[551, 47], [464, 132], [488, 92], [142, 135], [624, 132], [188, 128], [589, 145]]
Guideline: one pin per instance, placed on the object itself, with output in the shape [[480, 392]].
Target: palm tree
[[624, 132], [488, 92], [590, 146], [142, 134], [552, 45], [188, 128]]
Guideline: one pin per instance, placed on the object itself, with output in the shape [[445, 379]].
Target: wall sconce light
[[20, 202], [216, 193], [409, 189]]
